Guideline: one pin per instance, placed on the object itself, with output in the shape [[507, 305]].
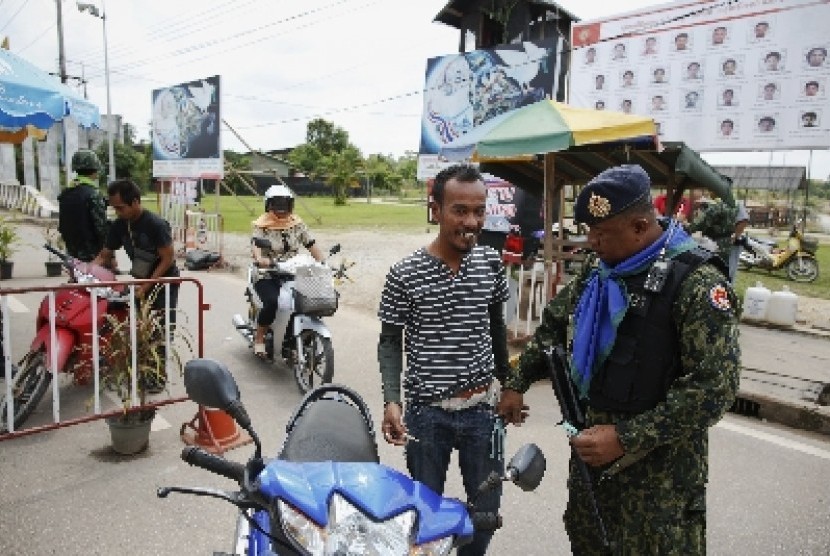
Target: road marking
[[15, 305], [773, 439]]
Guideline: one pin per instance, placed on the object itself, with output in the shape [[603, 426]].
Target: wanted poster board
[[720, 76]]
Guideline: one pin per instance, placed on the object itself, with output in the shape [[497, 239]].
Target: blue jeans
[[471, 432]]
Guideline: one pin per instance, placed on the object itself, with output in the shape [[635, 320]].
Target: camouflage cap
[[85, 160], [611, 192]]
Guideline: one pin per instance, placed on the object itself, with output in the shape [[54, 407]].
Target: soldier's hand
[[598, 445], [394, 431], [511, 407]]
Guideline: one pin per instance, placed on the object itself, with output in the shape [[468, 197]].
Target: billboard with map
[[185, 130]]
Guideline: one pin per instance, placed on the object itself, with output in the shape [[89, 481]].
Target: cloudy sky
[[358, 63]]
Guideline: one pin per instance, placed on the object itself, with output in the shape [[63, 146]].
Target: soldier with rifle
[[650, 362]]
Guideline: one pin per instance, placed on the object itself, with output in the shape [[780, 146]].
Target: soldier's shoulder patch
[[719, 297]]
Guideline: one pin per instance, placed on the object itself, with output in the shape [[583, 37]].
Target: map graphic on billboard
[[465, 93], [750, 75], [185, 129]]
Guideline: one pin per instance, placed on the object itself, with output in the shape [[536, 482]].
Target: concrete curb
[[799, 415]]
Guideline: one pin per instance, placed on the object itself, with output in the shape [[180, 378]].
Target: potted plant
[[53, 239], [8, 239], [130, 430]]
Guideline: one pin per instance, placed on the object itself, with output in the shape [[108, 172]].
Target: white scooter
[[298, 335]]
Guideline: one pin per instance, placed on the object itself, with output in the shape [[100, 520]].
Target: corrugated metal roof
[[675, 164], [453, 12], [775, 178]]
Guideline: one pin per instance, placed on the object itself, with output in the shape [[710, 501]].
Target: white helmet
[[279, 197]]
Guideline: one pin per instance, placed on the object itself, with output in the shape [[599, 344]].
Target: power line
[[171, 29], [40, 36], [14, 16], [215, 42]]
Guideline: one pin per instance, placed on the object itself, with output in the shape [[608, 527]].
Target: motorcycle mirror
[[210, 383], [527, 467], [262, 243], [334, 249]]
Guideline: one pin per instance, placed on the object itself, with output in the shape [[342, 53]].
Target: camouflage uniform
[[85, 238], [656, 505], [717, 222]]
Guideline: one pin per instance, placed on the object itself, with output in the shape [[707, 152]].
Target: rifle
[[573, 421]]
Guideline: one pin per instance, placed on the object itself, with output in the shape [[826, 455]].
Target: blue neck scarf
[[604, 303]]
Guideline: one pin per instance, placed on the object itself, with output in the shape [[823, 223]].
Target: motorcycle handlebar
[[486, 521], [215, 464]]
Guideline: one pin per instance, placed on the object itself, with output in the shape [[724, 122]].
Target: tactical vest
[[74, 222], [645, 359]]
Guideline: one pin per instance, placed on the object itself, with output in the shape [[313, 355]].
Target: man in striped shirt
[[447, 298]]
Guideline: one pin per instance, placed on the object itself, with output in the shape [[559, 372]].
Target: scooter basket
[[809, 244], [314, 292]]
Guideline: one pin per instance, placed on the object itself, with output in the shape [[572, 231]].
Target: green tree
[[127, 162], [379, 171], [341, 172], [129, 134], [326, 137], [307, 159]]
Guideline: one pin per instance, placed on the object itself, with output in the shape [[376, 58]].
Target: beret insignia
[[599, 207], [719, 298]]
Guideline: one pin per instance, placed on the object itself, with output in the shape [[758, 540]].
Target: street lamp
[[93, 10]]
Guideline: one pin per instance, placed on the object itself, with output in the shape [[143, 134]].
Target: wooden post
[[549, 192]]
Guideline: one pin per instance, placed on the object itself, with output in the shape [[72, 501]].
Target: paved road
[[66, 492]]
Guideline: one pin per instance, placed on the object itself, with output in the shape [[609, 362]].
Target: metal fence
[[87, 347]]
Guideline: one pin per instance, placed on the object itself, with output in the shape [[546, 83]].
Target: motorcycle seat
[[330, 430]]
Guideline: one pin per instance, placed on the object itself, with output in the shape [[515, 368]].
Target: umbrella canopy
[[550, 126], [32, 97]]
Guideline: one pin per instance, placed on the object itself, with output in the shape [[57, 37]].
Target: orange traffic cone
[[214, 430]]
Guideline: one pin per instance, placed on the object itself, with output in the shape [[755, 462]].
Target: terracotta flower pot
[[131, 434]]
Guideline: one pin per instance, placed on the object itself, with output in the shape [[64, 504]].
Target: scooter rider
[[287, 233]]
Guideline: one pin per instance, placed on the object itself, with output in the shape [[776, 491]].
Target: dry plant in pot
[[149, 372], [53, 239], [8, 240]]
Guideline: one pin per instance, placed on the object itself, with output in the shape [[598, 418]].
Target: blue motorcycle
[[327, 492]]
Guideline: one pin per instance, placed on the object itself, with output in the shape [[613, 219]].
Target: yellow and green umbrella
[[549, 126]]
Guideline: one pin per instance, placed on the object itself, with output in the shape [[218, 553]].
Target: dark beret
[[611, 192]]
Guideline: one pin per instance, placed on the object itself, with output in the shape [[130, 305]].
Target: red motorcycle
[[74, 331]]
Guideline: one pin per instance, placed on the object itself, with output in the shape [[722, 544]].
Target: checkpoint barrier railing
[[52, 362], [568, 254], [193, 229], [204, 231], [26, 199]]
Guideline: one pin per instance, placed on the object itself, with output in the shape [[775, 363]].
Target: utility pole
[[61, 55]]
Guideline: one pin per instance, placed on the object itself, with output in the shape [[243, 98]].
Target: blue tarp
[[30, 96]]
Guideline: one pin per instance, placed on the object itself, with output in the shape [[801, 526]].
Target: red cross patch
[[719, 298]]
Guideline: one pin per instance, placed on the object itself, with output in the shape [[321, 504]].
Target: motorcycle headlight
[[305, 532], [350, 532]]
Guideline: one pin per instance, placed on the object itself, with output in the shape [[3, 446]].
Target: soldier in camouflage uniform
[[716, 220], [651, 331], [82, 220]]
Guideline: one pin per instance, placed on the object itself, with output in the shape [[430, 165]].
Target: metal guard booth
[[672, 166]]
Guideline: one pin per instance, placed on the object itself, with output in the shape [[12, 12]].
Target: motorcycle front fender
[[305, 322], [64, 344]]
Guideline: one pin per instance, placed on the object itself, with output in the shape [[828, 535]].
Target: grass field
[[322, 213], [775, 280]]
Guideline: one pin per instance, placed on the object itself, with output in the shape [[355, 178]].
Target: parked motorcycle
[[73, 336], [326, 493], [298, 333], [797, 258]]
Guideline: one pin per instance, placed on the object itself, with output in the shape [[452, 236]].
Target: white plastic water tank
[[756, 300], [782, 307]]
